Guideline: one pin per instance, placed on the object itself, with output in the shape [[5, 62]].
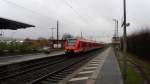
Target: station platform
[[5, 60], [103, 69], [110, 72]]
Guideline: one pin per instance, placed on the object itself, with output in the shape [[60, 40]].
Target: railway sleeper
[[67, 72], [52, 80], [46, 82], [54, 77], [70, 69], [64, 73], [60, 76]]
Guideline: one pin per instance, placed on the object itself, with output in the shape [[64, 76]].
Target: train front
[[70, 46]]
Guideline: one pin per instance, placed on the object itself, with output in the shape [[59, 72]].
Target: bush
[[139, 43], [16, 47]]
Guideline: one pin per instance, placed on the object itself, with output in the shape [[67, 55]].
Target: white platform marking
[[96, 60], [90, 68], [93, 64], [77, 79], [86, 72]]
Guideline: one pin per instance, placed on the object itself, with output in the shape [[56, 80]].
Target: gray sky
[[92, 17]]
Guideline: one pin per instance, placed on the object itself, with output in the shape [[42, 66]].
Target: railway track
[[56, 76], [9, 73], [41, 71]]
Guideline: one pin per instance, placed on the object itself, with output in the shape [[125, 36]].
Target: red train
[[75, 45]]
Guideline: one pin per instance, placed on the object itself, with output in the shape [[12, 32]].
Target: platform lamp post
[[116, 27]]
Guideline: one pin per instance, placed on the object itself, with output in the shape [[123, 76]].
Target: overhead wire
[[19, 6], [81, 17], [34, 12]]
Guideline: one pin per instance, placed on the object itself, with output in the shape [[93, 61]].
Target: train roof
[[86, 40]]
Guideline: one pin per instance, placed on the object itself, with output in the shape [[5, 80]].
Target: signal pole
[[81, 35], [117, 28], [124, 42], [57, 33], [52, 32]]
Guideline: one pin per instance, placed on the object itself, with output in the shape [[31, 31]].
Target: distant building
[[53, 43]]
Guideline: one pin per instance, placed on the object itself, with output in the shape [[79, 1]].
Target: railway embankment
[[138, 48], [138, 70]]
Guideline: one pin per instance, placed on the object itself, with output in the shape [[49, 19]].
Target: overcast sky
[[92, 17]]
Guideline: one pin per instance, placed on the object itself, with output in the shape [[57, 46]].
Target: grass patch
[[133, 77], [144, 64]]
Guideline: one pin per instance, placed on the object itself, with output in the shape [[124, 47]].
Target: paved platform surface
[[110, 72], [103, 69], [19, 58]]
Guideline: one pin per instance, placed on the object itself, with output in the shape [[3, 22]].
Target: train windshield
[[71, 42]]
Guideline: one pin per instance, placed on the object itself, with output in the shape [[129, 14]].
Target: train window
[[71, 42], [83, 44], [79, 45]]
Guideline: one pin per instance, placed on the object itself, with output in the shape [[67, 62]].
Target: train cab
[[71, 45]]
